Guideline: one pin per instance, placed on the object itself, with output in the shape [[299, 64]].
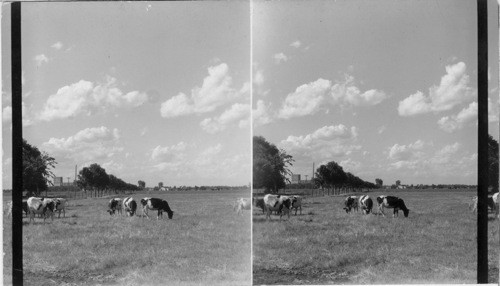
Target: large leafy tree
[[493, 163], [37, 167], [94, 177], [270, 165], [141, 184], [379, 182]]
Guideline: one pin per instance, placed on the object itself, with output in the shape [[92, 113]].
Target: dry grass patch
[[205, 242]]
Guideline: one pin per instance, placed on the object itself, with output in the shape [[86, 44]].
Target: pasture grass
[[435, 244], [205, 243]]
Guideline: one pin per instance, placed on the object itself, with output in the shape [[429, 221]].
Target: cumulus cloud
[[236, 113], [347, 92], [57, 45], [279, 58], [261, 114], [296, 44], [325, 142], [85, 97], [215, 91], [40, 59], [452, 91], [307, 99], [258, 78], [455, 122], [169, 153], [406, 152], [87, 145]]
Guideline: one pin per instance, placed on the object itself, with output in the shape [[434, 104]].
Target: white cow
[[495, 202], [242, 204], [43, 206], [281, 204]]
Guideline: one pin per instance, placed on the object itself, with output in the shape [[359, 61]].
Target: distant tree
[[379, 183], [398, 182], [37, 167], [95, 178], [493, 163], [331, 175], [141, 184], [160, 185], [270, 165]]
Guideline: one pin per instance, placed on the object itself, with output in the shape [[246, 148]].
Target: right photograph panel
[[365, 142]]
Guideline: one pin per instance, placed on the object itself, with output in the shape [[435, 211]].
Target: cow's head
[[380, 200], [406, 212], [49, 207], [170, 214]]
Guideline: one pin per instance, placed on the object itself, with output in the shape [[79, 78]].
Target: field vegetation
[[205, 243], [435, 244]]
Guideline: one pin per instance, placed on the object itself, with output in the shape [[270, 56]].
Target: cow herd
[[46, 207], [283, 205], [129, 205]]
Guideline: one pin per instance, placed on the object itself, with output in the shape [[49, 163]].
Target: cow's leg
[[381, 210], [145, 212]]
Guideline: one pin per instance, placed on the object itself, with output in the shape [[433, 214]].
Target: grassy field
[[435, 244], [205, 243]]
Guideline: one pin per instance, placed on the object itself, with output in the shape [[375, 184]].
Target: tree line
[[271, 166], [37, 174]]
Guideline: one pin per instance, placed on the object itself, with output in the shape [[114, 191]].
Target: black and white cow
[[496, 204], [281, 204], [115, 204], [296, 203], [392, 203], [259, 202], [129, 206], [366, 204], [42, 206], [156, 204], [350, 203]]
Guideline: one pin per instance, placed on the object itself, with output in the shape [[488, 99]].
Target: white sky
[[387, 89], [153, 91], [159, 91]]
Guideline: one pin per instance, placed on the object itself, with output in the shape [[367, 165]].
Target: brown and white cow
[[392, 202], [296, 203], [350, 203], [281, 204], [156, 204], [129, 206], [115, 204], [242, 204], [366, 204], [43, 206]]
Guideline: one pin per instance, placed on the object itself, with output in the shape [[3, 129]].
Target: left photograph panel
[[136, 143]]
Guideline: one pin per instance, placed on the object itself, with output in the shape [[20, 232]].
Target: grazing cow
[[259, 202], [366, 204], [41, 206], [392, 203], [492, 203], [156, 204], [351, 202], [129, 206], [282, 204], [242, 204], [296, 204], [115, 204], [60, 206]]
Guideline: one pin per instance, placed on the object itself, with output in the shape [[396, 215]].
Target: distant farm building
[[58, 181]]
